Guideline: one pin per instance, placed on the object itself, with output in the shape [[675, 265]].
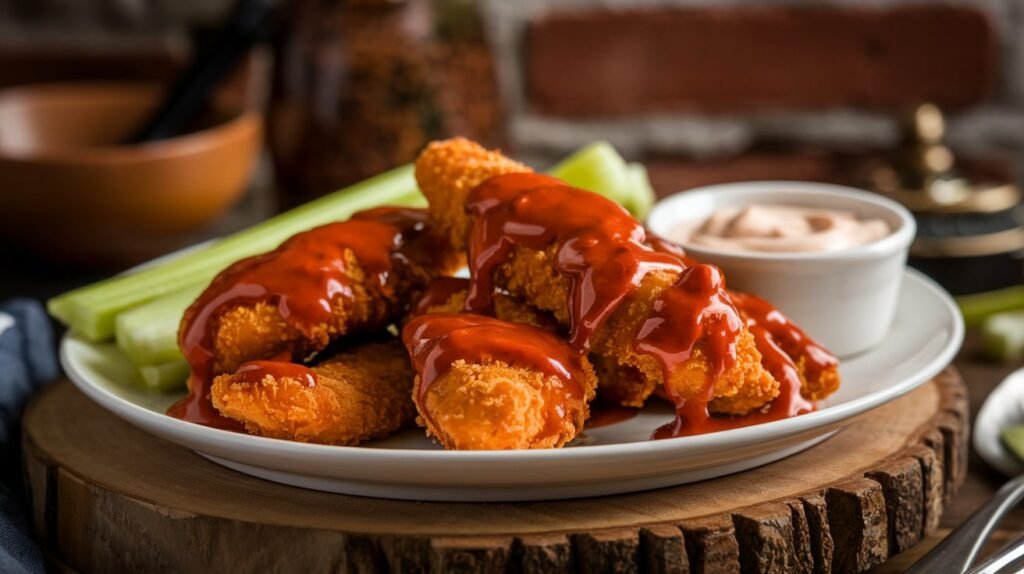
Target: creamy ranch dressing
[[783, 228]]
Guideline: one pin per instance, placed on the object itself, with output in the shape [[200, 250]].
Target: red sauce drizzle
[[599, 246], [301, 277], [255, 371], [438, 293], [779, 341], [784, 341], [436, 341], [605, 253], [696, 308]]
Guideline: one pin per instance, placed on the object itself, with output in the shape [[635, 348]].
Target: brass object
[[923, 177], [1004, 241]]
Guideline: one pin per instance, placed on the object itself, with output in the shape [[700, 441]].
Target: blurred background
[[920, 100]]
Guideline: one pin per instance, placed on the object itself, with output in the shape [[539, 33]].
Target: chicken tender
[[316, 287], [485, 384], [361, 394], [618, 382], [787, 349], [448, 295], [449, 171]]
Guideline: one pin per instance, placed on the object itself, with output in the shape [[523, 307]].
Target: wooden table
[[982, 481], [29, 278]]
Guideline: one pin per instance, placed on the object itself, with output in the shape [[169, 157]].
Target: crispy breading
[[817, 388], [447, 171], [246, 332], [496, 406], [362, 393]]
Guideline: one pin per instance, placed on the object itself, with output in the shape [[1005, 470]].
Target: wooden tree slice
[[108, 497]]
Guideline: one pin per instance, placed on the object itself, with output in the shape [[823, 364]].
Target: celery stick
[[1002, 336], [148, 333], [90, 311], [1013, 438], [976, 308], [165, 377], [640, 198], [598, 167]]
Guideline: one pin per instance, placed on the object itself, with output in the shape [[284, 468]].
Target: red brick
[[671, 174], [715, 60]]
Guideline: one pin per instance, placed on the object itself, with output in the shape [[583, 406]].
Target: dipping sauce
[[783, 229]]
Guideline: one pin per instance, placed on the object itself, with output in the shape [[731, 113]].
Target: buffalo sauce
[[436, 341], [255, 371], [301, 278], [598, 246], [439, 292], [787, 341], [694, 309], [779, 341], [604, 253]]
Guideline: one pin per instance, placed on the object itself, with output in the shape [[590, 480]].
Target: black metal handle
[[246, 23]]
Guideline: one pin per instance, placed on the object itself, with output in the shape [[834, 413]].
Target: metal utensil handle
[[1009, 558], [959, 550]]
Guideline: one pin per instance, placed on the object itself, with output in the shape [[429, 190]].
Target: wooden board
[[108, 497]]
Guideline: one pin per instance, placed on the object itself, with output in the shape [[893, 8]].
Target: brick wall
[[702, 88]]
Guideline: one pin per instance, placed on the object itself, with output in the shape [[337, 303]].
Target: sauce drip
[[301, 278], [599, 247], [436, 341], [694, 309], [438, 293], [786, 340], [255, 371], [778, 340], [604, 253]]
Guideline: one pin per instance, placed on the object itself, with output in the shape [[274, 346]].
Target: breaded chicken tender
[[485, 384], [618, 382], [448, 171], [360, 394], [318, 286]]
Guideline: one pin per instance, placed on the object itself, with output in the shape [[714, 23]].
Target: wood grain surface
[[108, 497]]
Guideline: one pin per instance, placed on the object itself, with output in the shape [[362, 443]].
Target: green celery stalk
[[134, 306], [164, 377], [1013, 438], [598, 167], [91, 311], [1002, 336], [148, 333], [979, 306], [640, 197]]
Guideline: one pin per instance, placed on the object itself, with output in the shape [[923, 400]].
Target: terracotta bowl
[[69, 190]]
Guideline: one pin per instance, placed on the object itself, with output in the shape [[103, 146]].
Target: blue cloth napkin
[[27, 363]]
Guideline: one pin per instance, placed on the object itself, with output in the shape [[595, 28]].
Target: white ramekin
[[845, 299]]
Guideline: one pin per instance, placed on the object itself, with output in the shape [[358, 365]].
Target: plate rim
[[145, 419], [989, 446]]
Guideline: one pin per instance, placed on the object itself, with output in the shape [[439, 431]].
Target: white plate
[[926, 334], [1003, 407]]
